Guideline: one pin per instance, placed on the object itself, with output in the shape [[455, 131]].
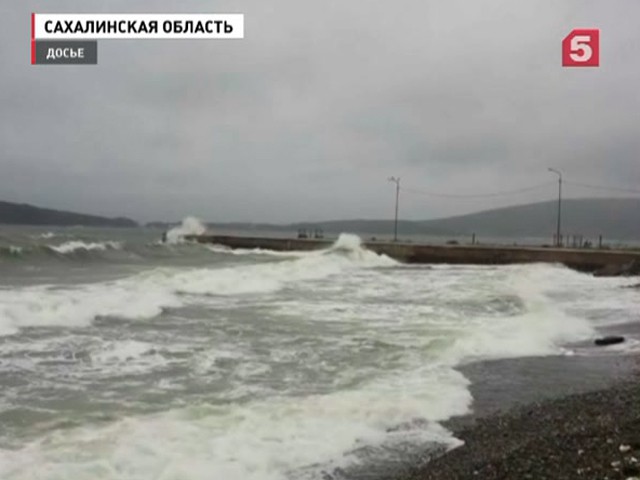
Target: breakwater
[[609, 262]]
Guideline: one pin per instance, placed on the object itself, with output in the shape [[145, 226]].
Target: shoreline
[[507, 395], [591, 435], [589, 430]]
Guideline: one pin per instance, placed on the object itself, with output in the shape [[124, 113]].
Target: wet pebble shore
[[593, 435]]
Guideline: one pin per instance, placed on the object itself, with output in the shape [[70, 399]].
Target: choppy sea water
[[125, 358]]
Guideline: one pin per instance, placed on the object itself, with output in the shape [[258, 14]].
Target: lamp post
[[557, 172], [395, 225]]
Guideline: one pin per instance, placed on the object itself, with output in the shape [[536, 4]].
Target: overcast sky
[[307, 116]]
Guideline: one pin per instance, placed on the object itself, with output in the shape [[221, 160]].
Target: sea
[[126, 358]]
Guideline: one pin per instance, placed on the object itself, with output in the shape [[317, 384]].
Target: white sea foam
[[382, 343], [125, 357], [270, 439], [77, 306], [144, 295], [541, 329], [120, 351], [254, 251], [455, 305], [7, 327], [268, 277], [347, 244], [75, 245], [189, 226], [272, 276], [351, 245]]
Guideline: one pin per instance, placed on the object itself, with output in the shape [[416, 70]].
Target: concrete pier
[[585, 260]]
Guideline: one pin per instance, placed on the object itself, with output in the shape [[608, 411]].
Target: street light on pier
[[395, 225], [558, 237]]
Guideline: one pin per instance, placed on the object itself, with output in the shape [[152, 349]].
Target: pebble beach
[[589, 435]]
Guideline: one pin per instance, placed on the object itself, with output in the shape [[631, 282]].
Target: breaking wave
[[189, 226], [350, 245], [107, 250], [11, 251], [146, 294], [285, 435], [537, 326], [76, 245], [344, 360], [46, 235], [347, 245]]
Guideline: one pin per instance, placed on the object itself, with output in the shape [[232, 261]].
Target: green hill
[[614, 218]]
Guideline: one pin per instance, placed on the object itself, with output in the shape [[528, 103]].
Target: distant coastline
[[24, 214], [583, 218]]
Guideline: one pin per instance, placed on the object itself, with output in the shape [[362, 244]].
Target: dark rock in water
[[610, 340]]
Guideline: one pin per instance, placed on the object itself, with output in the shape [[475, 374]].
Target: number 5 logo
[[581, 48]]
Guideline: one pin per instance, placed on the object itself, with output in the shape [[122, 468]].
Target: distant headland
[[613, 218], [23, 214]]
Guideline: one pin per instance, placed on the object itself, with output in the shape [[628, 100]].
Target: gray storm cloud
[[308, 115]]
